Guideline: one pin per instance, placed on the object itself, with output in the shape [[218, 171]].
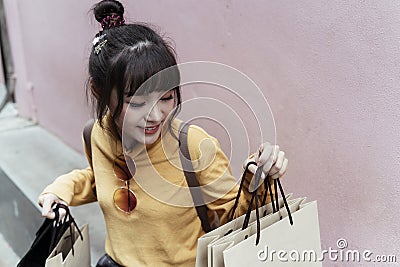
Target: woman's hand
[[271, 158], [47, 201]]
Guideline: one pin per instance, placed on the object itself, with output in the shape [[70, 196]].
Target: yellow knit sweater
[[164, 227]]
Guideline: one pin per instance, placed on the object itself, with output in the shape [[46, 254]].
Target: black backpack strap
[[87, 133], [87, 138], [191, 178]]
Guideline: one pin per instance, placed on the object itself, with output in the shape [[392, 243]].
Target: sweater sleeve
[[213, 171], [75, 188]]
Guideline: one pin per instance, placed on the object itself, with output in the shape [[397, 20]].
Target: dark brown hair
[[124, 57]]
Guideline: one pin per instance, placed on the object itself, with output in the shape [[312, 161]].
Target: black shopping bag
[[46, 239]]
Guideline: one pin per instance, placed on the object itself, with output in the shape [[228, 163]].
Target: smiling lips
[[151, 130]]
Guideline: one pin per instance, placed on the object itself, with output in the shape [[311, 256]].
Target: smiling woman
[[128, 55], [134, 85], [143, 116]]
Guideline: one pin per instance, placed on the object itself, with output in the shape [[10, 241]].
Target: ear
[[93, 88]]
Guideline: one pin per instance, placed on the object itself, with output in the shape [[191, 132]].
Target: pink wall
[[50, 48], [329, 70]]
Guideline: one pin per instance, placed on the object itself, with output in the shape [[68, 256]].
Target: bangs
[[152, 73], [143, 70], [136, 60]]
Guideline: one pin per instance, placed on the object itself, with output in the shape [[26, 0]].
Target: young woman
[[148, 220]]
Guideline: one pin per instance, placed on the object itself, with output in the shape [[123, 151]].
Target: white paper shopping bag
[[62, 256], [281, 244], [202, 256], [216, 248]]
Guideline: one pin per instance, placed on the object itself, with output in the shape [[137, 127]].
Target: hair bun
[[108, 8]]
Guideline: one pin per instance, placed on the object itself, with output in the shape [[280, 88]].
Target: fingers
[[278, 164], [62, 213], [271, 158], [47, 202], [258, 153], [267, 155], [282, 170]]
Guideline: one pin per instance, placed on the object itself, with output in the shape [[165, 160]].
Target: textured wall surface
[[329, 70]]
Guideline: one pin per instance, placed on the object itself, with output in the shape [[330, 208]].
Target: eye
[[136, 105], [167, 98]]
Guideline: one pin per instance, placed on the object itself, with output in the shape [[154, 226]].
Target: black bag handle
[[277, 183], [240, 188], [55, 234], [254, 195], [268, 188], [47, 237], [69, 222], [44, 230]]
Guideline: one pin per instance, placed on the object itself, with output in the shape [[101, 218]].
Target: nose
[[155, 114]]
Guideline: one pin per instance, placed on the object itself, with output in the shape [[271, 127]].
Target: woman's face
[[143, 117]]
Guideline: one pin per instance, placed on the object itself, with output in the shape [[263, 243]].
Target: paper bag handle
[[254, 195], [68, 217], [277, 183], [240, 189], [268, 187]]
